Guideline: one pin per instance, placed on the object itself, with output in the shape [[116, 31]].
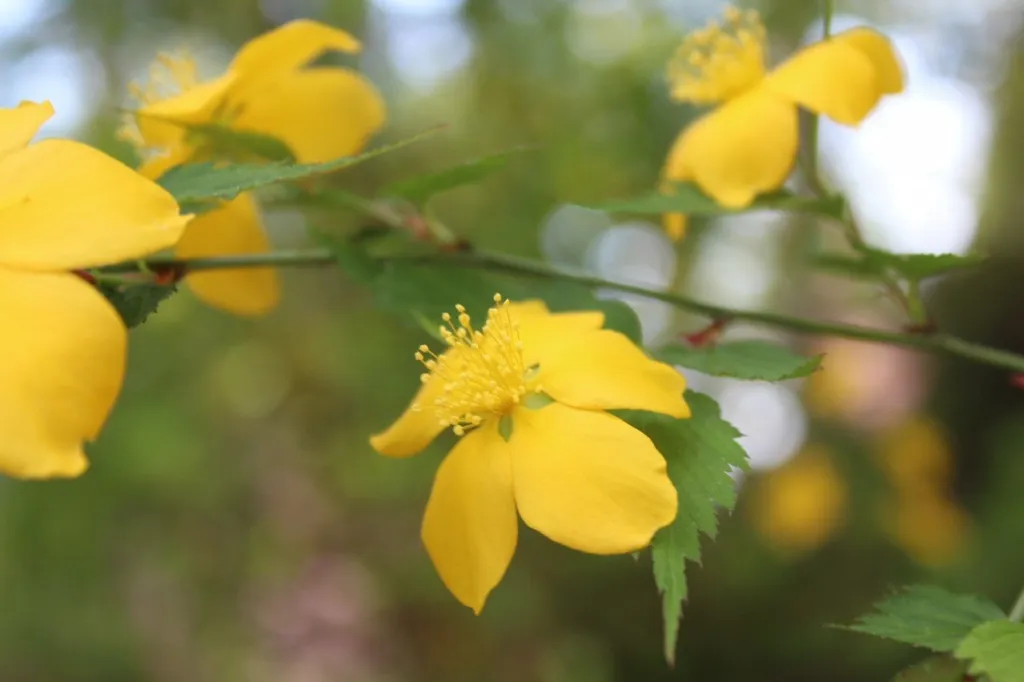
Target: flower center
[[170, 74], [719, 61], [483, 371]]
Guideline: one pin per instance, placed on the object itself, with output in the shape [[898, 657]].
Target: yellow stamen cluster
[[719, 61], [482, 369], [170, 74]]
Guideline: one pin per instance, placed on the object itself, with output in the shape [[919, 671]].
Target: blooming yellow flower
[[527, 395], [320, 113], [64, 206], [748, 143]]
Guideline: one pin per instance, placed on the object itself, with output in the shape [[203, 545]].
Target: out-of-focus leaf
[[421, 188], [933, 669], [870, 263], [700, 452], [753, 360], [204, 184], [928, 617], [225, 141], [918, 266], [136, 302], [848, 266], [688, 199], [427, 288], [995, 649]]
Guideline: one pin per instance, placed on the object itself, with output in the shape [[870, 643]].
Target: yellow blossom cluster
[[69, 207], [747, 143], [320, 112]]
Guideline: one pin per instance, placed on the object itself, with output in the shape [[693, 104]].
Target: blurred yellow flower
[[922, 519], [748, 143], [527, 395], [64, 206], [869, 386], [916, 457], [320, 113], [798, 506]]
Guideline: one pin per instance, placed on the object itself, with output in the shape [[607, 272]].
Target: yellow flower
[[748, 143], [320, 113], [930, 528], [800, 505], [922, 518], [527, 395], [64, 206]]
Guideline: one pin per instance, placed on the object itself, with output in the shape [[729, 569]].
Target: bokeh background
[[235, 524]]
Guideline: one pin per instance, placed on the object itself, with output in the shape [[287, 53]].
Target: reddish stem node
[[166, 275], [85, 274], [707, 336]]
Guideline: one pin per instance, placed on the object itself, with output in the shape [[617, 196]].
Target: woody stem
[[929, 342]]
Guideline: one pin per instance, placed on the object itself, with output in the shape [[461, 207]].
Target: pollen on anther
[[719, 61], [482, 371]]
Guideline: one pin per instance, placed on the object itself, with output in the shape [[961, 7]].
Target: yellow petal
[[233, 229], [528, 308], [588, 480], [417, 426], [64, 205], [160, 123], [877, 48], [64, 351], [290, 46], [470, 526], [675, 225], [321, 114], [604, 370], [541, 331], [842, 78], [743, 148], [19, 125]]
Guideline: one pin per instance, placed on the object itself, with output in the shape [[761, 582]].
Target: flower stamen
[[719, 61], [170, 74], [482, 370]]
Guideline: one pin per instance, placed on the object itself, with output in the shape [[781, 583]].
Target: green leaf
[[849, 266], [428, 288], [995, 649], [201, 185], [928, 617], [688, 199], [918, 266], [351, 252], [431, 289], [136, 302], [618, 316], [753, 360], [915, 266], [942, 668], [423, 187], [225, 141], [700, 452]]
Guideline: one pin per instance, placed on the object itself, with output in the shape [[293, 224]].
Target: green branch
[[930, 342]]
